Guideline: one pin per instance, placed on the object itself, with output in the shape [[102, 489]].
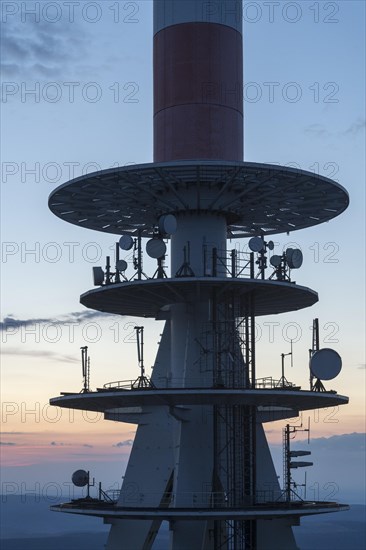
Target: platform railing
[[234, 264], [187, 500], [119, 385], [267, 382], [113, 494]]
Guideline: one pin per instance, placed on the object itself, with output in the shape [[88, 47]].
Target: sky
[[76, 96]]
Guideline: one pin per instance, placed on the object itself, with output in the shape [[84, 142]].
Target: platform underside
[[255, 198], [146, 298], [104, 400], [270, 511]]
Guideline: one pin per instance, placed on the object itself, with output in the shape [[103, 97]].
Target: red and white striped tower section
[[198, 80], [200, 459]]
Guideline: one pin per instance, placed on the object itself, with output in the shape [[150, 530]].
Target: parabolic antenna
[[155, 248], [275, 261], [270, 245], [325, 364], [294, 258], [98, 276], [126, 242], [256, 244], [80, 478], [121, 265], [168, 224]]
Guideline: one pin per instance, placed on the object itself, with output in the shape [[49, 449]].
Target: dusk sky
[[77, 97]]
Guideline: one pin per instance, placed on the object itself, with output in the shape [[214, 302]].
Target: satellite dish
[[270, 245], [155, 248], [121, 265], [126, 242], [80, 478], [168, 224], [294, 258], [275, 261], [256, 244], [325, 364], [98, 276]]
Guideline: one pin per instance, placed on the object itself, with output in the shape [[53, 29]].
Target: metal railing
[[188, 500], [163, 383], [119, 385], [215, 263], [268, 382]]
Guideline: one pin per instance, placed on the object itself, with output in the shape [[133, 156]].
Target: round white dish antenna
[[275, 261], [126, 242], [294, 258], [325, 364], [168, 224], [121, 265], [80, 478], [156, 248], [256, 244]]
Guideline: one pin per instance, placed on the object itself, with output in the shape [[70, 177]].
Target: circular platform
[[106, 400], [255, 198], [269, 511], [145, 298]]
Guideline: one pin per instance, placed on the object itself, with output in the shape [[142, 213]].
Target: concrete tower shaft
[[198, 80]]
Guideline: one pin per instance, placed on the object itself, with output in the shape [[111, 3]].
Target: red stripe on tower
[[198, 80]]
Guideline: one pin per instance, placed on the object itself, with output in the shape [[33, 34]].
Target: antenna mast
[[283, 382], [317, 385], [85, 362], [141, 381], [289, 432]]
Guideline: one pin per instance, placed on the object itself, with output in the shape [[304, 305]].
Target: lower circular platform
[[268, 511], [146, 298], [105, 400], [256, 199]]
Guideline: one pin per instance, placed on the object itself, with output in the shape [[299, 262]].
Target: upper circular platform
[[107, 400], [255, 198], [146, 298]]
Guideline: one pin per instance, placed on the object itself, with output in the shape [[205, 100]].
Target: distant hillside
[[339, 531]]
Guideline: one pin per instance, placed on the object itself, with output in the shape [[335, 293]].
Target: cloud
[[40, 354], [7, 443], [61, 444], [350, 443], [317, 130], [320, 131], [125, 443], [355, 128], [11, 325], [353, 443], [14, 433], [41, 48], [74, 317]]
